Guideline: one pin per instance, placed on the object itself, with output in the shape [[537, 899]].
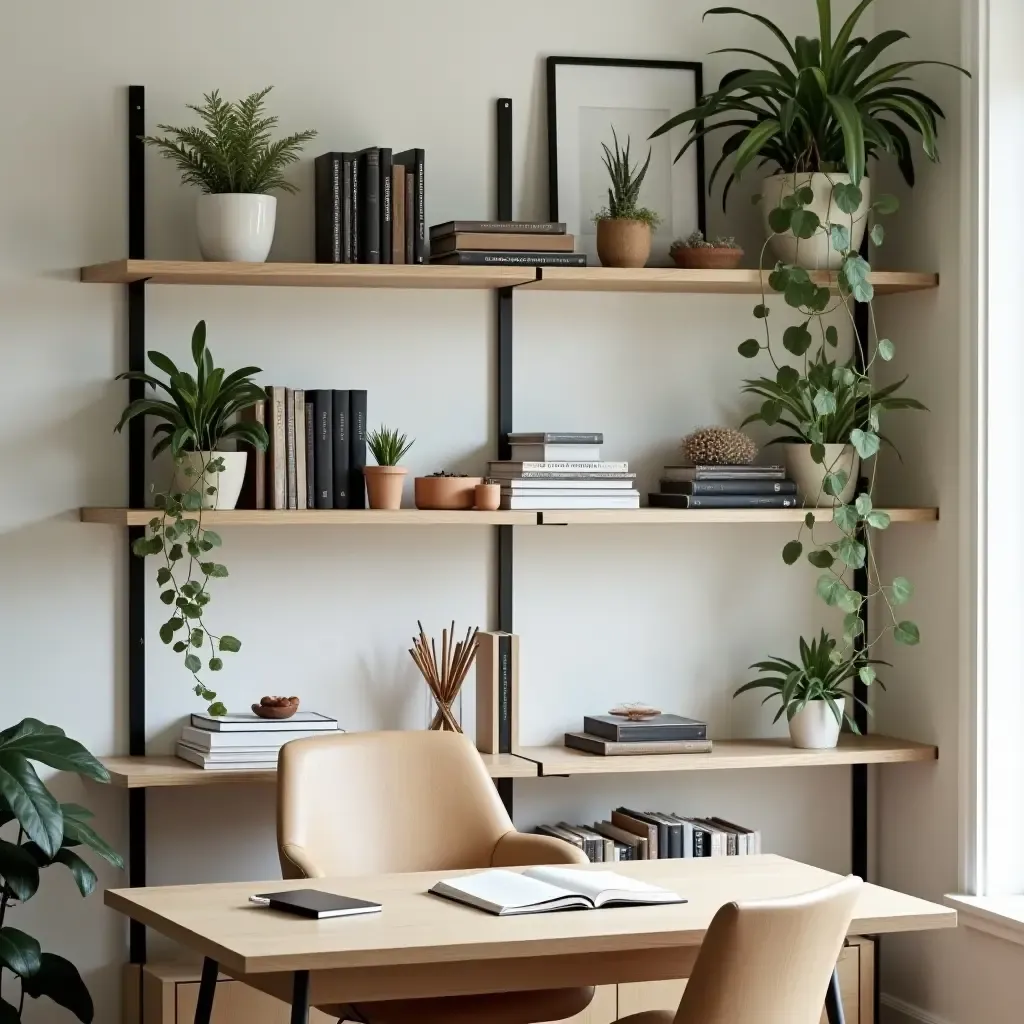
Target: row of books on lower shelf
[[654, 835]]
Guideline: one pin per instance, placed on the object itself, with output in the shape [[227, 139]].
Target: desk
[[422, 947]]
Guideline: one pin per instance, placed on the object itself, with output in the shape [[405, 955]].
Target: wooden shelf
[[158, 772], [414, 517], [307, 275], [732, 754], [698, 282]]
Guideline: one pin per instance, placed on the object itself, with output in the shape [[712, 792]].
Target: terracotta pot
[[623, 243], [384, 486], [707, 259], [488, 497], [446, 493]]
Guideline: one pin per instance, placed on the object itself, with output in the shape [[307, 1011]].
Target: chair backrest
[[770, 961], [378, 802]]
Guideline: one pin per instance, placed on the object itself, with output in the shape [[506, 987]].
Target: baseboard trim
[[898, 1011]]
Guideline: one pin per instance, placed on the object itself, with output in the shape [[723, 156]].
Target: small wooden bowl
[[446, 493], [707, 259], [275, 711]]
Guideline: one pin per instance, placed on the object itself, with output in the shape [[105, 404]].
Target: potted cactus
[[624, 226], [697, 253]]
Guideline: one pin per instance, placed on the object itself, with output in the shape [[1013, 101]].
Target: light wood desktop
[[422, 947]]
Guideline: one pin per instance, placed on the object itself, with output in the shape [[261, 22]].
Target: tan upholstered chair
[[381, 802], [766, 962]]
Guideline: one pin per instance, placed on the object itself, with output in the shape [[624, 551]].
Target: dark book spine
[[369, 206], [721, 501], [310, 441], [290, 450], [385, 206], [629, 733], [357, 449], [700, 849], [675, 840], [410, 216], [749, 488], [478, 258], [420, 247], [495, 227], [355, 198], [340, 443], [556, 438], [505, 694], [347, 232], [323, 460], [328, 206]]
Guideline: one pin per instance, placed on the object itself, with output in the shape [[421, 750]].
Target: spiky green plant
[[624, 193], [387, 446], [234, 152], [821, 675], [826, 108]]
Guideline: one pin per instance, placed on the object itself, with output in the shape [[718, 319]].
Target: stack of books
[[370, 206], [725, 487], [654, 835], [503, 243], [562, 471], [614, 735], [317, 450], [244, 741]]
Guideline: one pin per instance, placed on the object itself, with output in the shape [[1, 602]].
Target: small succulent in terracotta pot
[[384, 482], [624, 227], [696, 253], [276, 707]]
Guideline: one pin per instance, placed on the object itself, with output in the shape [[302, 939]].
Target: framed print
[[587, 98]]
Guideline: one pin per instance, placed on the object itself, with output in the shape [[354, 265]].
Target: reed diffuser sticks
[[444, 679]]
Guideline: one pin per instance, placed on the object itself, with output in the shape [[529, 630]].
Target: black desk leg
[[207, 990], [834, 1002], [300, 998]]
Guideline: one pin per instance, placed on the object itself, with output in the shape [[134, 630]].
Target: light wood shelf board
[[162, 771], [699, 282], [732, 754], [698, 516], [317, 517], [307, 275]]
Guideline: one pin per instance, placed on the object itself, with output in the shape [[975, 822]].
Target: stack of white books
[[226, 742], [562, 471]]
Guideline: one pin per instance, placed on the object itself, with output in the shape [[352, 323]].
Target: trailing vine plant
[[198, 418], [829, 401]]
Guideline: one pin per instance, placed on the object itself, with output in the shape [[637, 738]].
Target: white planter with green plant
[[235, 165], [624, 226], [818, 115], [195, 425]]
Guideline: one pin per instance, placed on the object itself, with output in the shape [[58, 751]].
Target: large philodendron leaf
[[78, 832], [19, 870], [33, 805], [19, 952], [59, 980], [49, 745]]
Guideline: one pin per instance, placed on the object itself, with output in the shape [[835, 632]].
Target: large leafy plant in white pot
[[236, 165], [817, 114]]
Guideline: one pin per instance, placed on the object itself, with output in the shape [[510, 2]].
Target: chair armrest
[[649, 1017], [522, 849]]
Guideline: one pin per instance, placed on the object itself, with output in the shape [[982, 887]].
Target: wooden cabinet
[[856, 983]]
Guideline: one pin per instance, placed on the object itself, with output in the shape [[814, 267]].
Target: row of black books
[[552, 470], [317, 451], [725, 487], [654, 835], [370, 206], [616, 735], [503, 243]]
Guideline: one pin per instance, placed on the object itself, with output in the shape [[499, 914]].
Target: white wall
[[665, 615]]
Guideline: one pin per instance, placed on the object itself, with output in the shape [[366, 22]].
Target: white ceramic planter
[[815, 727], [809, 476], [234, 226], [228, 482], [814, 253]]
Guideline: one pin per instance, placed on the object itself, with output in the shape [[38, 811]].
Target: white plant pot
[[815, 727], [235, 226], [227, 483], [814, 253], [809, 476]]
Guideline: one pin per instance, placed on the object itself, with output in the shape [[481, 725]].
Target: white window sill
[[1001, 916]]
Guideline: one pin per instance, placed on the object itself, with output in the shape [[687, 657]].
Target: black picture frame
[[694, 67]]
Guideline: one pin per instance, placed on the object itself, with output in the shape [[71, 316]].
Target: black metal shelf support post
[[504, 381], [136, 499]]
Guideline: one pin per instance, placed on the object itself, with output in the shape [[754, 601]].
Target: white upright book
[[543, 889]]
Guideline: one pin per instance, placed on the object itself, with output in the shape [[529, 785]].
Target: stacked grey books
[[243, 741], [614, 735], [553, 470], [725, 487]]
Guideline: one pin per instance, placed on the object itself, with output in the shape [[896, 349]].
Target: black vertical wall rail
[[504, 384], [136, 499]]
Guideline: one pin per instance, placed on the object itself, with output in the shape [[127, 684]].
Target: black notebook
[[315, 904]]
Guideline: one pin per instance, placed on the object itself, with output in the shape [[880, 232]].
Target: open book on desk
[[542, 889]]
